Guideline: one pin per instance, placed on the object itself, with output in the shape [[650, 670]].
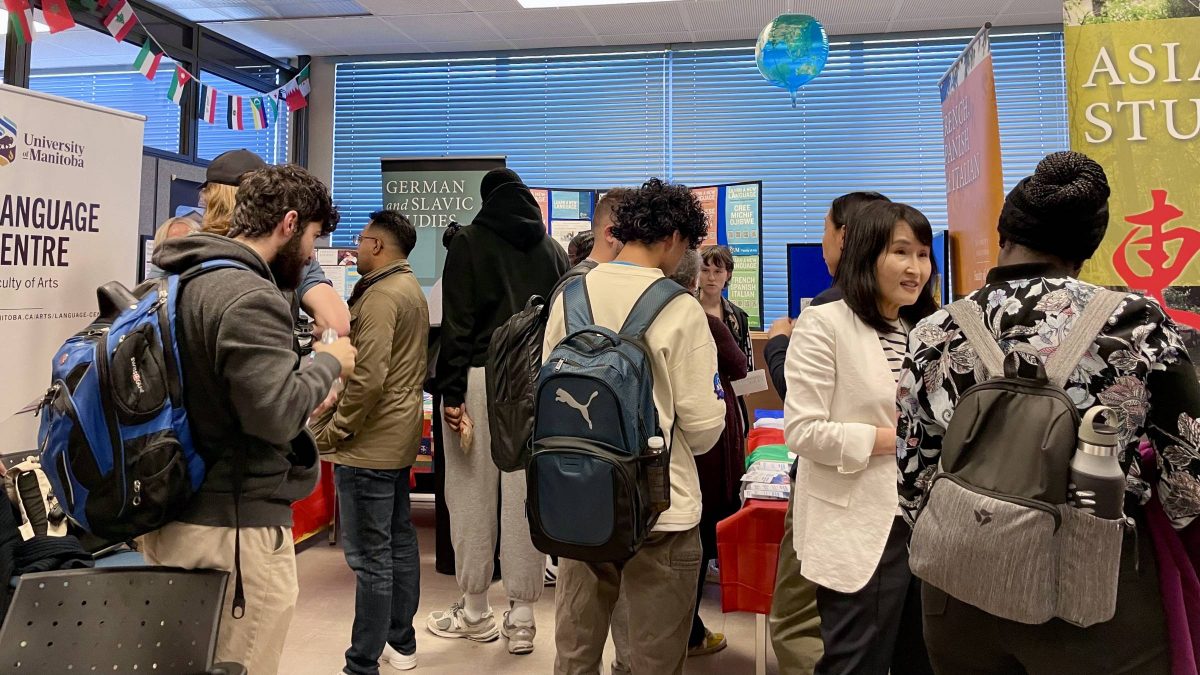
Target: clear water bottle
[[658, 474], [1097, 482], [329, 337]]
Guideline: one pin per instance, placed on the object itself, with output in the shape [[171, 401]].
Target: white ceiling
[[419, 26], [286, 28]]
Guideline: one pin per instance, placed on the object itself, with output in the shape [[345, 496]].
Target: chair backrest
[[134, 619]]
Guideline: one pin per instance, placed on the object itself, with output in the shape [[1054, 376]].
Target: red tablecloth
[[315, 512], [748, 551]]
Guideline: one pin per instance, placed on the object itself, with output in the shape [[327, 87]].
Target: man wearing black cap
[[492, 268], [1053, 222], [315, 293]]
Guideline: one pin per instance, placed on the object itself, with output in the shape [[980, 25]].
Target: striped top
[[895, 344]]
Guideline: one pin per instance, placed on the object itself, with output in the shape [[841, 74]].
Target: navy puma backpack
[[594, 492]]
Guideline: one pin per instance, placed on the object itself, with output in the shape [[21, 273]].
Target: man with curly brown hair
[[657, 225]]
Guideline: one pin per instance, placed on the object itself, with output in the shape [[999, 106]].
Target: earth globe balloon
[[791, 51]]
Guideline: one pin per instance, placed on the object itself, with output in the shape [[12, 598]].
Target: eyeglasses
[[358, 239]]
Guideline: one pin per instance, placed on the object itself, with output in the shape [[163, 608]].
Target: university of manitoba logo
[[8, 141], [983, 516], [564, 396]]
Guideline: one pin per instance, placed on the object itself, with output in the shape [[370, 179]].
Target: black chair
[[134, 619]]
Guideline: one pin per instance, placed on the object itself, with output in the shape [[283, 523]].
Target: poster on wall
[[70, 180], [432, 193], [739, 226], [340, 266], [974, 173], [1133, 92]]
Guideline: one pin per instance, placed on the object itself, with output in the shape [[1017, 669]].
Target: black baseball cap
[[229, 167]]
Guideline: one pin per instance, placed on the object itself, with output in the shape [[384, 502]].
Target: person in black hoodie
[[492, 268], [249, 402]]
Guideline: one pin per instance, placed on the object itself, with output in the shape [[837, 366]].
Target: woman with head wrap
[[1053, 222]]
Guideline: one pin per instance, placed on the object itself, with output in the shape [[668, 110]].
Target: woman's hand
[[885, 441]]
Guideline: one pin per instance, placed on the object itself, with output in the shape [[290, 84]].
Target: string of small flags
[[119, 19]]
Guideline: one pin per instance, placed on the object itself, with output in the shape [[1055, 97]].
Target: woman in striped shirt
[[843, 363]]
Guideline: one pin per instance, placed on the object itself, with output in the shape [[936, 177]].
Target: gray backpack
[[995, 530]]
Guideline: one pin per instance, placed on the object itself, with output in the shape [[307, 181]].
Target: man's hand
[[454, 417], [782, 326], [329, 403], [341, 350]]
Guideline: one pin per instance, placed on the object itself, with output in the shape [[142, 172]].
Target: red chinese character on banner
[[1152, 249]]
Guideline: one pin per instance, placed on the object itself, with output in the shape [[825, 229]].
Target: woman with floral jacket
[[1052, 222]]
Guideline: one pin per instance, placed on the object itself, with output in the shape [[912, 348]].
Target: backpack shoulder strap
[[978, 336], [1083, 334], [210, 265], [577, 306], [648, 307]]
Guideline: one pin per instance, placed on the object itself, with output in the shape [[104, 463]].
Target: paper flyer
[[563, 231], [741, 219], [708, 202], [569, 205]]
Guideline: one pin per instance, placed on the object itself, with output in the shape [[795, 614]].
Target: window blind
[[872, 120], [122, 90], [571, 121]]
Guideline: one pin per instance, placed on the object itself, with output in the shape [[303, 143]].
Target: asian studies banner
[[1134, 102], [974, 175]]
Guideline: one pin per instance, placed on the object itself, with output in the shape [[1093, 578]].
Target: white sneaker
[[454, 623], [397, 660], [519, 635]]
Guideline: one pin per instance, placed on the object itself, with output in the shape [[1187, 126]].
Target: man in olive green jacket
[[373, 437]]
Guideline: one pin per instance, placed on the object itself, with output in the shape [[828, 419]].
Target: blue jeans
[[381, 547]]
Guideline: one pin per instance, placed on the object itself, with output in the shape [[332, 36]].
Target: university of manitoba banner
[[974, 176], [70, 178], [1133, 87]]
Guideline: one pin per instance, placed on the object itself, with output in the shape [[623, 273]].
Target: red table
[[748, 545]]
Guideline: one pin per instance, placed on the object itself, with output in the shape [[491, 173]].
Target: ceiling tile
[[858, 11], [533, 23], [260, 9], [563, 42], [912, 10], [429, 28], [1029, 18], [940, 23], [835, 30], [718, 14], [635, 19], [470, 46], [411, 7], [1034, 7], [491, 5], [269, 37], [726, 34], [367, 29], [646, 39]]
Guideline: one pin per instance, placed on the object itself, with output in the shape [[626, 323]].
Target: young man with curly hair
[[657, 224]]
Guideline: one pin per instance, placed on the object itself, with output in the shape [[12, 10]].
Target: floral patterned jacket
[[1139, 367]]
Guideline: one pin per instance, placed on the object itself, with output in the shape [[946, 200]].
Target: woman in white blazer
[[840, 419]]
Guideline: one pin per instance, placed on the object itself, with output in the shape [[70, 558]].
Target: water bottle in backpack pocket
[[114, 437], [598, 477]]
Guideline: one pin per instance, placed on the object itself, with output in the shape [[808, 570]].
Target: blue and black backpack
[[114, 438], [595, 490]]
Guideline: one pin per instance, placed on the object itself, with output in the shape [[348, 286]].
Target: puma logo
[[983, 516], [563, 396]]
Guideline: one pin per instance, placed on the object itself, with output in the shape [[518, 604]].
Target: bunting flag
[[272, 105], [20, 17], [208, 104], [148, 59], [178, 83], [58, 15], [258, 112], [296, 92], [120, 20], [234, 114]]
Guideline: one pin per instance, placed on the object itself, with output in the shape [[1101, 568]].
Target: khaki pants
[[268, 576], [795, 623], [659, 584]]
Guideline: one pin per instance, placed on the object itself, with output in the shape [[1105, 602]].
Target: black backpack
[[514, 359]]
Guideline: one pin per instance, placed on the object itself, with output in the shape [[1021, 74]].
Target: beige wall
[[320, 121]]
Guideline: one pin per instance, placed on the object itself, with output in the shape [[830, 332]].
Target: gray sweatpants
[[480, 497]]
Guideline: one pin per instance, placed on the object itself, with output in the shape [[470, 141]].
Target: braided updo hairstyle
[[1062, 209]]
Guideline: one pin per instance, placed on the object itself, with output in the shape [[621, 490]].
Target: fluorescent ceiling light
[[38, 26], [538, 4]]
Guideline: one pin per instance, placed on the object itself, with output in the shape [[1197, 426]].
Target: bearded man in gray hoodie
[[249, 402]]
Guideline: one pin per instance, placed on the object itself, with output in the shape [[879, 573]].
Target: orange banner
[[974, 176]]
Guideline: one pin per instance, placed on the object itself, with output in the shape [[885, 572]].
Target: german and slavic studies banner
[[1133, 89], [974, 176], [70, 178]]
